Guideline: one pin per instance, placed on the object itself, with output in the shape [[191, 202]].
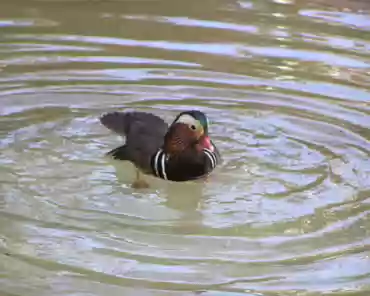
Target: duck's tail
[[119, 153]]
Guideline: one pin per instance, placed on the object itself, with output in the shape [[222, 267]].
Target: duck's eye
[[193, 127]]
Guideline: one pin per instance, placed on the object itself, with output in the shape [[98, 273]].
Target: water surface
[[286, 86]]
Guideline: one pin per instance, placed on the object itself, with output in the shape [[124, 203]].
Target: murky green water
[[286, 85]]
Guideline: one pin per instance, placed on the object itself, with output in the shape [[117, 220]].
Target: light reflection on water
[[285, 86]]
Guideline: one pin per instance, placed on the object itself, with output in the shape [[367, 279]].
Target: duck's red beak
[[205, 142]]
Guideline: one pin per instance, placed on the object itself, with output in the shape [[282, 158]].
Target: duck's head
[[189, 130]]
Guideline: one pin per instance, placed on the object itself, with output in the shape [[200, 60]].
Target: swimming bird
[[180, 152]]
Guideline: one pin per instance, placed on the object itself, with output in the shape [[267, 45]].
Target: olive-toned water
[[286, 86]]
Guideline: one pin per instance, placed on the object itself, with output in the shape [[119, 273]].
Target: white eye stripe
[[211, 156], [187, 119]]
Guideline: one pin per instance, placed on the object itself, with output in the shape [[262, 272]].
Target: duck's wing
[[134, 123], [144, 134]]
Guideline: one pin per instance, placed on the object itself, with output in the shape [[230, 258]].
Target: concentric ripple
[[286, 89]]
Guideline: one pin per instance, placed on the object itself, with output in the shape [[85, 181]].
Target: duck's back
[[144, 134]]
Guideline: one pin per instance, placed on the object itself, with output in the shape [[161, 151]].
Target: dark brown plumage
[[180, 152], [144, 134]]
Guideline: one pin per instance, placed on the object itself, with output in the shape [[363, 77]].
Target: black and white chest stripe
[[160, 160], [211, 156], [159, 164]]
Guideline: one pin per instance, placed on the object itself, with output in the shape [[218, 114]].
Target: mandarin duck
[[182, 151]]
